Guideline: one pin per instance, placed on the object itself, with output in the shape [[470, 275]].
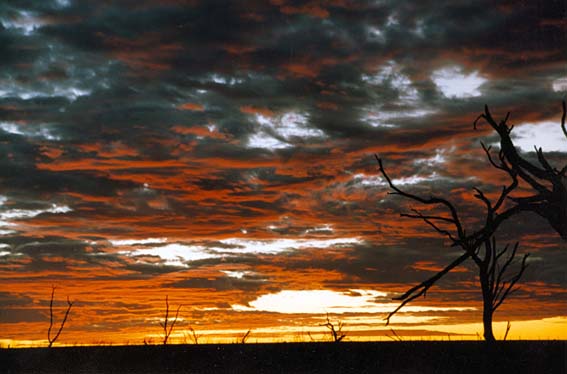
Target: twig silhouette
[[193, 335], [508, 326], [245, 337], [167, 331], [70, 304], [336, 332], [395, 337]]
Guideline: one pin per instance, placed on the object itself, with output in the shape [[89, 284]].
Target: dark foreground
[[540, 357]]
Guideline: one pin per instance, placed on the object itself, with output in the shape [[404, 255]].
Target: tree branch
[[422, 288], [505, 288], [430, 201]]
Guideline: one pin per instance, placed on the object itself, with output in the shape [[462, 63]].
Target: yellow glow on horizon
[[545, 329]]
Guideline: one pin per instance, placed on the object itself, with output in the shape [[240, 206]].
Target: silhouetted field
[[541, 357]]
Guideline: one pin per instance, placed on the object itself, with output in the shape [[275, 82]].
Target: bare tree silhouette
[[549, 201], [495, 279], [164, 325], [50, 339], [337, 333], [549, 183]]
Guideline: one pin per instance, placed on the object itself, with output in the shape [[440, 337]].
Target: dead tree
[[50, 339], [337, 333], [549, 183], [167, 331], [479, 245]]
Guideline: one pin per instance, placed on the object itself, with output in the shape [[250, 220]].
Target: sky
[[221, 153]]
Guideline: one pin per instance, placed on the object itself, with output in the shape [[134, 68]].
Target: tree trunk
[[487, 311], [487, 322]]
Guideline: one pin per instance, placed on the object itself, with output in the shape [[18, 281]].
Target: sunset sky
[[222, 153]]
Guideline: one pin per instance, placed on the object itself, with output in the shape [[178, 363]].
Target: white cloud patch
[[238, 274], [273, 246], [225, 80], [453, 83], [376, 180], [9, 217], [130, 242], [63, 3], [177, 254], [16, 214], [326, 228], [375, 117], [547, 135], [438, 159], [327, 301], [174, 254], [13, 90], [559, 85], [263, 140], [391, 75], [80, 76], [283, 131], [376, 35], [392, 20], [24, 22], [32, 131], [419, 29]]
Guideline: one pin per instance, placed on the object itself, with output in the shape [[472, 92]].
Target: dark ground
[[538, 357]]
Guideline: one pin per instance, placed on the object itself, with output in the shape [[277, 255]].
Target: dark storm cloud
[[16, 308], [16, 315], [247, 282]]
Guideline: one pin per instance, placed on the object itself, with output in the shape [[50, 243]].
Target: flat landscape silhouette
[[547, 357]]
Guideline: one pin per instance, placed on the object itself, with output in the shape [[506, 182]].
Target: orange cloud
[[200, 131], [434, 267], [247, 109], [147, 54], [191, 106], [327, 105], [313, 8]]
